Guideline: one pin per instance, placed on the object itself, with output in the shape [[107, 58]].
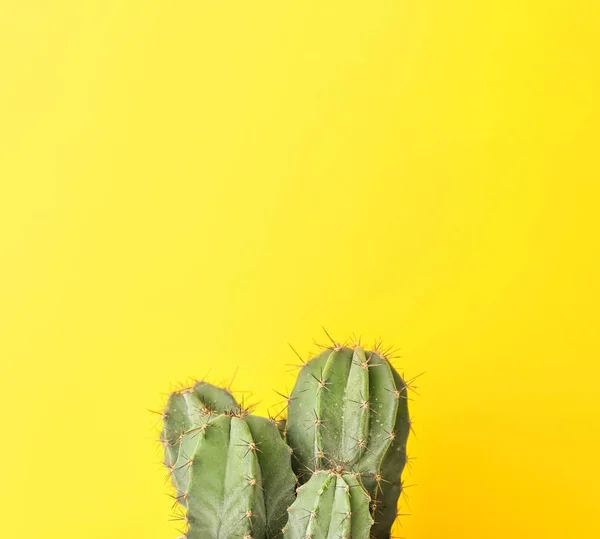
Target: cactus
[[349, 410], [331, 505], [347, 429], [231, 469]]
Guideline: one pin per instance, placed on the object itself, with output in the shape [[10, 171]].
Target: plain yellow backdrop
[[187, 186]]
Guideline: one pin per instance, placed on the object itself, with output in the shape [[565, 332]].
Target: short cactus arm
[[310, 514], [330, 506]]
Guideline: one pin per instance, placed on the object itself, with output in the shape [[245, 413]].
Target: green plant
[[343, 442]]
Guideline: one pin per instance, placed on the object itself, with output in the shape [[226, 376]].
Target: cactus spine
[[349, 411], [231, 470]]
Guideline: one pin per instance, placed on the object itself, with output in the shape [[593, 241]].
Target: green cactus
[[331, 505], [349, 410], [347, 429], [231, 470]]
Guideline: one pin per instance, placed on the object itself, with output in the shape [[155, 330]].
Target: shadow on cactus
[[236, 475]]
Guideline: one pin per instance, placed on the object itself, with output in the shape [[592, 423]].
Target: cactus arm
[[309, 515], [330, 506], [278, 479]]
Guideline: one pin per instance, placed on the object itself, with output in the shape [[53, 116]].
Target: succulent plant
[[231, 469], [344, 438], [349, 411]]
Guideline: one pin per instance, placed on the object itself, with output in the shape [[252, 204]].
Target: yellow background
[[186, 186]]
